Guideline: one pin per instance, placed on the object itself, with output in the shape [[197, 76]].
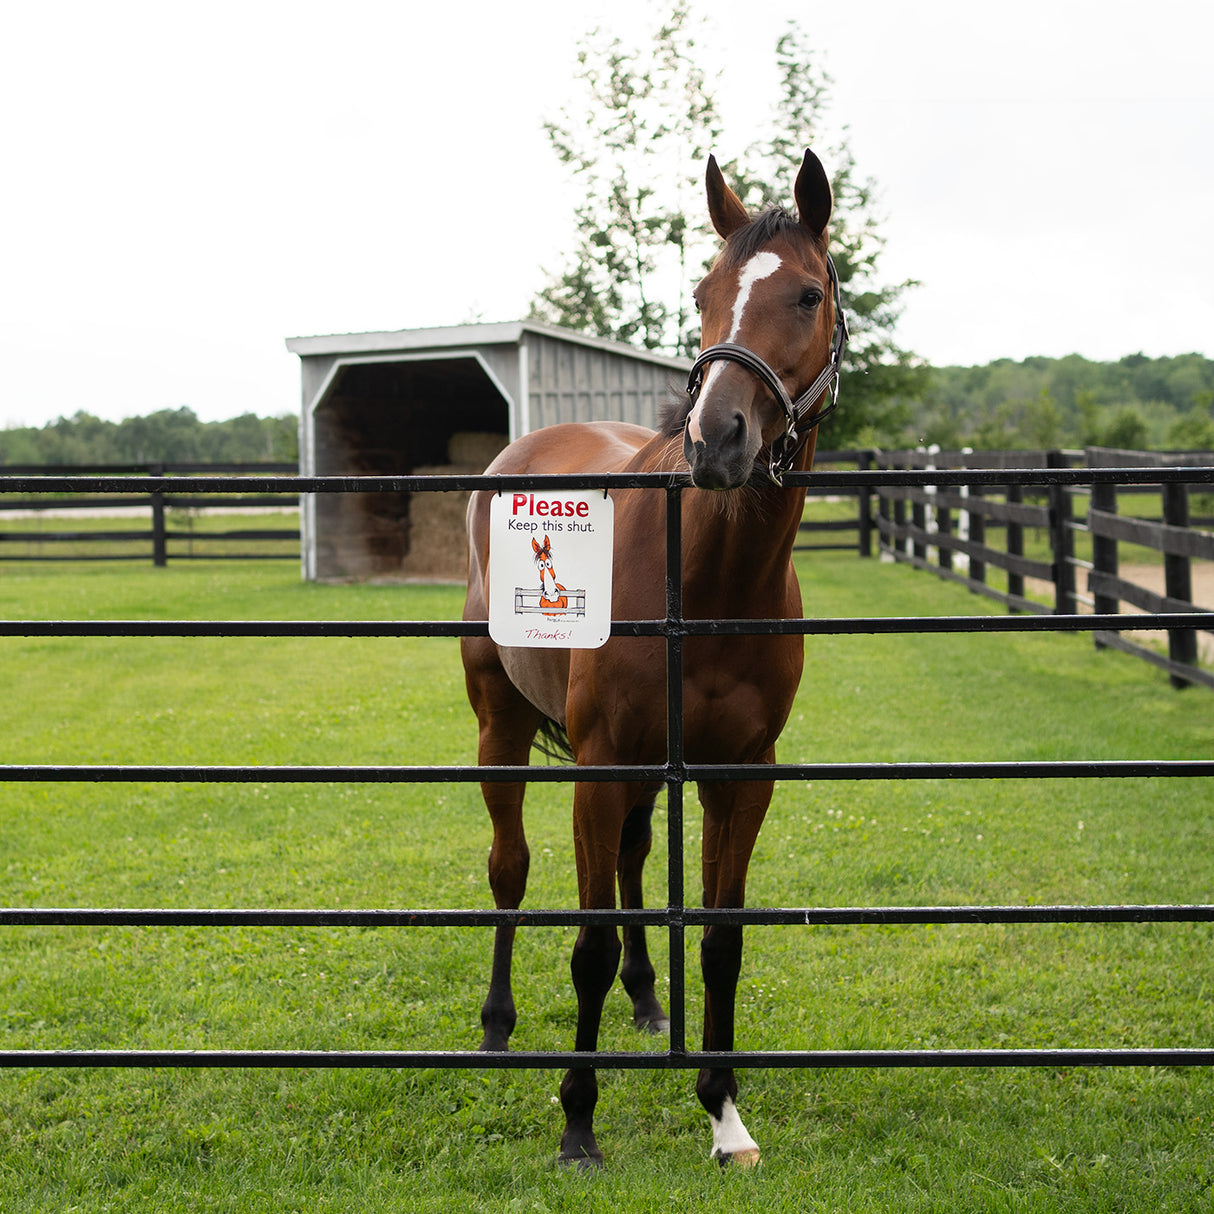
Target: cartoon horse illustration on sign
[[552, 593]]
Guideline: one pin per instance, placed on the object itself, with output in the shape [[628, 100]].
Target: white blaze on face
[[760, 266]]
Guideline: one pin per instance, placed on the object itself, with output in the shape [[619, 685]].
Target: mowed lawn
[[363, 1140]]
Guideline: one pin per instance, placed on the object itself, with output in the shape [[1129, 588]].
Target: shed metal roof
[[463, 336]]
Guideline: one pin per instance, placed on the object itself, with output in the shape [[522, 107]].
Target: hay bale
[[438, 547], [437, 544], [477, 448]]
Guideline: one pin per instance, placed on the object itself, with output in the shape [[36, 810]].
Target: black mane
[[748, 241]]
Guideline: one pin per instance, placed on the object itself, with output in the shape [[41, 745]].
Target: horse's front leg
[[733, 814], [637, 971], [598, 816]]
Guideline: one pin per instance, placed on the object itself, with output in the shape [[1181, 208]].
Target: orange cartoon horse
[[552, 593]]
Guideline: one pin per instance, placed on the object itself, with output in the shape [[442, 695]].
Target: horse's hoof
[[748, 1158], [580, 1163], [655, 1026]]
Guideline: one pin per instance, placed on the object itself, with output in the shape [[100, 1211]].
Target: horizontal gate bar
[[1014, 769], [914, 477], [828, 626], [811, 916], [633, 1060]]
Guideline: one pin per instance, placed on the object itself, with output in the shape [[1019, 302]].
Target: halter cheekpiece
[[797, 422]]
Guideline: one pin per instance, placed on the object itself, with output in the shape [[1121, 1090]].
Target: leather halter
[[797, 422]]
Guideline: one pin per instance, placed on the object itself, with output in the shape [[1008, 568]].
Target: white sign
[[550, 569]]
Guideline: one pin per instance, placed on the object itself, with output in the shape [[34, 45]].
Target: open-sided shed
[[424, 401]]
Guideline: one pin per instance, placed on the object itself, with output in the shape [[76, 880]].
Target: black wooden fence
[[676, 917], [155, 525], [162, 526], [854, 528], [1059, 550]]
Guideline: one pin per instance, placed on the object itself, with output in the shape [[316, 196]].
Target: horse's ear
[[536, 547], [724, 206], [812, 193]]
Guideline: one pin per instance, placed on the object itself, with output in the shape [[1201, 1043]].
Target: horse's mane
[[739, 248], [748, 241]]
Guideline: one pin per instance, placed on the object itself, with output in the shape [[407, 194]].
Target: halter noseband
[[797, 423]]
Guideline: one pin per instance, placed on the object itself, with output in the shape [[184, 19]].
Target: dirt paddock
[[1151, 577]]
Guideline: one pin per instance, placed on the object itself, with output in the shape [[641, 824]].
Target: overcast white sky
[[185, 185]]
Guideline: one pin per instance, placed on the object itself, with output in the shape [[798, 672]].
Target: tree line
[[635, 144], [171, 436], [1137, 403]]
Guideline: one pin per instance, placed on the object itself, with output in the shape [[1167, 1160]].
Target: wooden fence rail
[[159, 539], [949, 531], [952, 529]]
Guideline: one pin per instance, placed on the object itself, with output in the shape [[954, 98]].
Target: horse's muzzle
[[721, 465]]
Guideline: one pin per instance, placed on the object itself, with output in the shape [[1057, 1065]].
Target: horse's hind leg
[[637, 970], [508, 723], [509, 862]]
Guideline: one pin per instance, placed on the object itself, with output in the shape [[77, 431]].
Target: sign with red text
[[550, 569]]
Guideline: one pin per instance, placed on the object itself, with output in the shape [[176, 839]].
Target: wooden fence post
[[944, 534], [1104, 554], [1015, 545], [1062, 543], [977, 532], [864, 462], [160, 555], [918, 545], [1178, 581]]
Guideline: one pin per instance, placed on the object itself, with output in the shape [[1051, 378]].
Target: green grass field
[[436, 1140]]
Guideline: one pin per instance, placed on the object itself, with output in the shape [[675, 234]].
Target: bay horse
[[772, 336]]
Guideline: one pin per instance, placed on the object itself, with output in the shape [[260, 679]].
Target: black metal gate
[[676, 917]]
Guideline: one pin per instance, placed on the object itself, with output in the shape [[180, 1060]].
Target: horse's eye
[[696, 302], [811, 297]]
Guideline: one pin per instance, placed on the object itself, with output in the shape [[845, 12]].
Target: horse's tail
[[553, 741]]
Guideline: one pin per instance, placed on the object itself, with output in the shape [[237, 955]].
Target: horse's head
[[769, 339], [543, 562]]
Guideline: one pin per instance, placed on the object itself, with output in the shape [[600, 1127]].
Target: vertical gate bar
[[676, 769]]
